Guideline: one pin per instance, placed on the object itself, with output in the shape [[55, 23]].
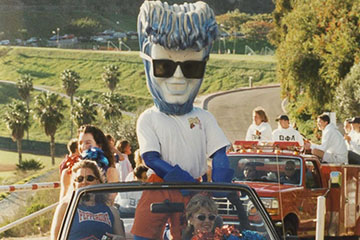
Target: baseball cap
[[282, 117], [355, 120]]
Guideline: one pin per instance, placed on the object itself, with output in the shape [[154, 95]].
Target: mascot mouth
[[177, 88]]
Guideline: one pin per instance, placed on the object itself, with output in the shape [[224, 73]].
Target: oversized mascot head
[[175, 43]]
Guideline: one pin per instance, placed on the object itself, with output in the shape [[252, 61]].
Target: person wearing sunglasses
[[176, 138], [201, 215], [84, 173]]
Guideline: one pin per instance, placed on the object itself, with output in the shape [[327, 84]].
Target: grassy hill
[[224, 72]]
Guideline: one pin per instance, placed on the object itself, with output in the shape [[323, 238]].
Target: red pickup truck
[[291, 201]]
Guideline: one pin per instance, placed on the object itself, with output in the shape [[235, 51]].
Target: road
[[233, 111]]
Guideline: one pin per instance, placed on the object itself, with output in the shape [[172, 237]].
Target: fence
[[29, 187], [33, 147]]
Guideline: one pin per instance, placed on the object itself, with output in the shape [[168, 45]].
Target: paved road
[[233, 111]]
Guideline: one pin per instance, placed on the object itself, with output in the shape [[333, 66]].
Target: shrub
[[31, 164]]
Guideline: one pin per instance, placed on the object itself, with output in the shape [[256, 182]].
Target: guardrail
[[29, 187]]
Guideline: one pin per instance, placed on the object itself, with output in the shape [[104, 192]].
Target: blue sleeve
[[164, 170], [221, 171]]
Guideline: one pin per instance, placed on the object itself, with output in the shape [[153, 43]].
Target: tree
[[83, 111], [84, 27], [317, 43], [48, 110], [71, 82], [111, 76], [111, 106], [348, 94], [256, 30], [25, 86], [17, 121]]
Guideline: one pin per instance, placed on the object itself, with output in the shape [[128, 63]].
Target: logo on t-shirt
[[95, 217], [287, 138], [194, 121]]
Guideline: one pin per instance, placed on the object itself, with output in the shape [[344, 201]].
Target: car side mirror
[[335, 179]]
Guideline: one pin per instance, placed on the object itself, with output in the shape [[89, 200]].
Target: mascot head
[[175, 43]]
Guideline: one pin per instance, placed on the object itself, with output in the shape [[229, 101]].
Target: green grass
[[224, 72], [8, 161]]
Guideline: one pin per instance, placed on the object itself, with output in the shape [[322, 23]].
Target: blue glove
[[221, 171], [178, 175]]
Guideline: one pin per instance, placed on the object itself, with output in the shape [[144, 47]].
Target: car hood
[[264, 187]]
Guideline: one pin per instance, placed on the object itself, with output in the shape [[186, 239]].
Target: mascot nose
[[178, 72]]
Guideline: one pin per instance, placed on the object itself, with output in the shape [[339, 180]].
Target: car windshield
[[169, 212], [285, 170]]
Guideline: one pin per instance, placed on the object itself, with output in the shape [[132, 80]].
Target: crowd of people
[[334, 147]]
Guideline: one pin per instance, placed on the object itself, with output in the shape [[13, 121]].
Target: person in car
[[353, 140], [291, 175], [333, 148], [260, 129], [201, 213], [94, 216], [250, 172]]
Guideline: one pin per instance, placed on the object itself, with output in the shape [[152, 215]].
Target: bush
[[31, 164]]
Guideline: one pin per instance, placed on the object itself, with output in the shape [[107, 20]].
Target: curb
[[204, 100]]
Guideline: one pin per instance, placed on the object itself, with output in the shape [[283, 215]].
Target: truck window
[[312, 177]]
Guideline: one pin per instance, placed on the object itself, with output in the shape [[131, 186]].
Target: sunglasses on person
[[89, 178], [165, 68], [289, 168], [202, 217]]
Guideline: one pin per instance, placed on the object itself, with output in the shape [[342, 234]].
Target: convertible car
[[239, 212]]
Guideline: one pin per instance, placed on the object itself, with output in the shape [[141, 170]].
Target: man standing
[[333, 148], [353, 141], [285, 132]]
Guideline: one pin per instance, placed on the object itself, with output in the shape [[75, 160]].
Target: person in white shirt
[[285, 132], [353, 141], [333, 148], [260, 129]]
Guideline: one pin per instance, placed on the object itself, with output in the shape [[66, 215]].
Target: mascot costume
[[176, 138]]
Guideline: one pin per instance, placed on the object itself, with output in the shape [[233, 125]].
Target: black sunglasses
[[289, 168], [89, 178], [202, 217], [166, 68]]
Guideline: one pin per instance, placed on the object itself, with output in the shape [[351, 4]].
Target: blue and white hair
[[175, 27]]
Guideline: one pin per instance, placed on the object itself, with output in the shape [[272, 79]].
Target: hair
[[90, 165], [189, 25], [324, 117], [100, 140], [121, 145], [109, 137], [290, 163], [260, 111], [137, 158], [139, 170], [72, 146]]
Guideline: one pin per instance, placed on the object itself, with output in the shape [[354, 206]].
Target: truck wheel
[[290, 228]]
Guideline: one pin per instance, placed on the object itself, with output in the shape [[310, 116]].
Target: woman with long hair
[[260, 129]]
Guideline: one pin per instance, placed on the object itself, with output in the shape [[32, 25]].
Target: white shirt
[[287, 134], [124, 167], [186, 140], [333, 145], [263, 132], [354, 144]]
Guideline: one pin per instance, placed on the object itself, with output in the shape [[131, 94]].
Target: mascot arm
[[221, 172], [165, 170]]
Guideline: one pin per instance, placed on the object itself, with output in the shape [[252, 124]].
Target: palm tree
[[25, 86], [111, 106], [110, 76], [83, 111], [71, 82], [48, 110], [17, 120]]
